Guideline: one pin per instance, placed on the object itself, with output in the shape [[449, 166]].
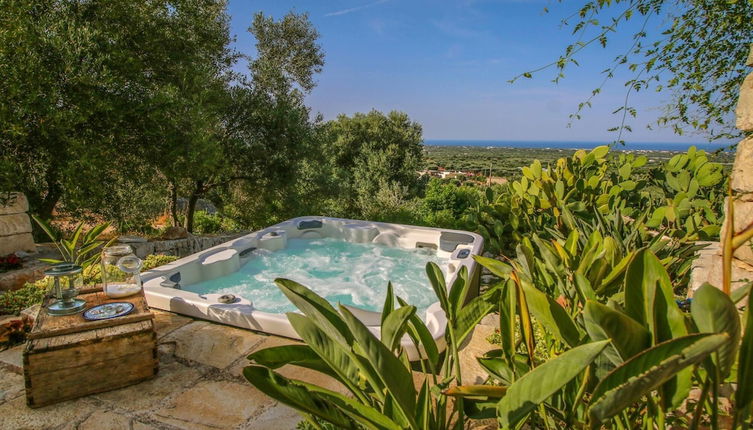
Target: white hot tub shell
[[162, 285]]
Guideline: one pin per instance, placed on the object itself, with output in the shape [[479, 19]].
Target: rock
[[12, 359], [744, 111], [105, 420], [11, 384], [32, 271], [16, 242], [173, 233], [167, 322], [277, 417], [476, 346], [14, 414], [742, 174], [17, 205], [131, 239], [14, 224], [212, 344], [213, 405], [708, 268], [171, 379]]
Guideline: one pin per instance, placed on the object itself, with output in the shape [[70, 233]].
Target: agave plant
[[82, 248], [375, 370]]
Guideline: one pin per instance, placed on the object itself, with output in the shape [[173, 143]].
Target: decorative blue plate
[[108, 310]]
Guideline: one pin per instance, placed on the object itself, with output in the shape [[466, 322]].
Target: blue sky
[[446, 64]]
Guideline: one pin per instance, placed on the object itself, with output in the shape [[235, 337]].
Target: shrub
[[13, 302]]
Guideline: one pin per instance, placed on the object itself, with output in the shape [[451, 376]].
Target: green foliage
[[82, 249], [376, 371], [13, 302], [694, 49]]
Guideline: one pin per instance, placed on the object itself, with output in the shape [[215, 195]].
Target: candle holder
[[65, 281]]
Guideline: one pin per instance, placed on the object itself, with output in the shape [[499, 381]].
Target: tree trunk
[[51, 198], [173, 202], [197, 192]]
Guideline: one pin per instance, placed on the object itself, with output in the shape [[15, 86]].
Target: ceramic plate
[[108, 310]]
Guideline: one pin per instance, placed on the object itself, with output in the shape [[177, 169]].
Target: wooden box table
[[68, 357]]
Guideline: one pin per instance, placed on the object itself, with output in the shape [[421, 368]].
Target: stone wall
[[15, 226], [179, 247], [741, 179]]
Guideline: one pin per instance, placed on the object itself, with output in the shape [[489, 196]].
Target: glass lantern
[[120, 271], [65, 281]]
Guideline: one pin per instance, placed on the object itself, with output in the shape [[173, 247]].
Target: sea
[[628, 146]]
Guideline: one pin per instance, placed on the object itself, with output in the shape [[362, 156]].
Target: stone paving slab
[[167, 322], [212, 344], [12, 359], [214, 405], [14, 414], [171, 380]]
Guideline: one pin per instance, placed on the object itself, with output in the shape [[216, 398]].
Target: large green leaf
[[472, 313], [539, 384], [437, 281], [551, 315], [395, 378], [628, 337], [714, 312], [647, 371], [424, 340], [649, 299], [319, 310], [459, 290], [297, 396], [337, 356], [507, 305], [394, 326], [297, 355]]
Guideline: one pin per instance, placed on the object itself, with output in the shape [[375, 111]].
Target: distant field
[[506, 162]]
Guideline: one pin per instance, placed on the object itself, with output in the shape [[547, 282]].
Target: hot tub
[[345, 261]]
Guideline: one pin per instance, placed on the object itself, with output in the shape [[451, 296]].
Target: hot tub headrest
[[308, 224], [449, 240]]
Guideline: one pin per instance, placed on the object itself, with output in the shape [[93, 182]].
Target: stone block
[[743, 218], [12, 359], [278, 417], [14, 414], [476, 346], [105, 420], [11, 385], [744, 111], [213, 405], [212, 344], [742, 170], [16, 242], [171, 379], [167, 322], [14, 224], [18, 205]]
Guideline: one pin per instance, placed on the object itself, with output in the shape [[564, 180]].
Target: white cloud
[[355, 9]]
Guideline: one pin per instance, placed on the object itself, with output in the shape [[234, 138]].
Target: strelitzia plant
[[375, 370]]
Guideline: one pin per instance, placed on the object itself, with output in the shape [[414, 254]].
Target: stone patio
[[199, 386]]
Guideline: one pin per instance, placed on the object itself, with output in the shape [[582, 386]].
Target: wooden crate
[[68, 357]]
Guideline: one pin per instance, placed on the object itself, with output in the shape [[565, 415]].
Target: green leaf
[[551, 315], [714, 312], [539, 384], [389, 302], [319, 310], [394, 326], [336, 356], [647, 371], [417, 330], [472, 313], [437, 281], [297, 396], [297, 355], [628, 336], [491, 391], [459, 290], [396, 378], [497, 267]]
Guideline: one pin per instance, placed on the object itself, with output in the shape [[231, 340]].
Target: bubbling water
[[353, 274]]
